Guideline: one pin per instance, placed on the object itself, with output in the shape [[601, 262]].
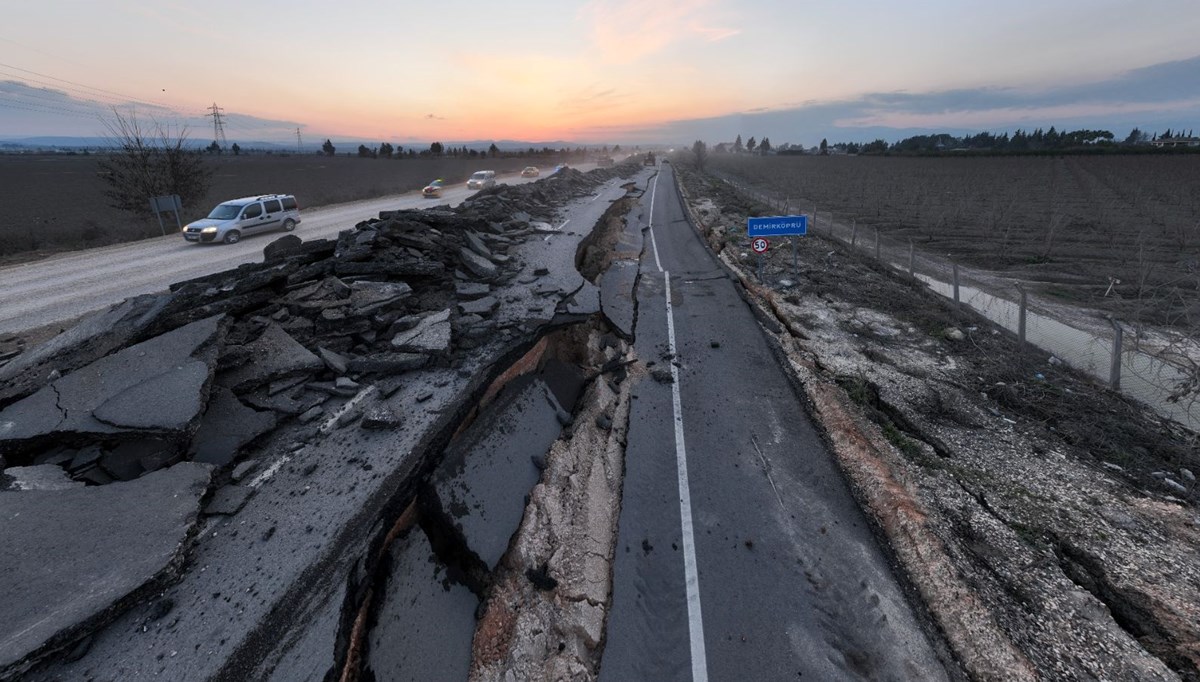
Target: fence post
[[854, 234], [1024, 307], [910, 258], [877, 243], [955, 267], [1114, 372]]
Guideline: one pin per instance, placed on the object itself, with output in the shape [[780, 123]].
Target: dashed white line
[[331, 423], [268, 472]]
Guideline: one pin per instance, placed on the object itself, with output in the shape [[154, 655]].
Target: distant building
[[1172, 142]]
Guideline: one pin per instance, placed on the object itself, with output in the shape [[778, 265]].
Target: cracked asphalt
[[741, 552]]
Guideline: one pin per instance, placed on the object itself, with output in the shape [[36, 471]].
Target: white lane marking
[[331, 423], [268, 472], [691, 577], [650, 224], [560, 227]]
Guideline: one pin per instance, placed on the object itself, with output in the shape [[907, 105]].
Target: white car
[[232, 220], [482, 180]]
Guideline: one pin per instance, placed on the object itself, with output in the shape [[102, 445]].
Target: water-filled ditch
[[1143, 377]]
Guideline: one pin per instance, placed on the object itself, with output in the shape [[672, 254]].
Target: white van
[[482, 180], [232, 220]]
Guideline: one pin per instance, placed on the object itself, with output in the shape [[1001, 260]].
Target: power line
[[48, 109], [113, 93]]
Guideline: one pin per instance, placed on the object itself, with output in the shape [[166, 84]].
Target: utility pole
[[299, 142], [218, 125]]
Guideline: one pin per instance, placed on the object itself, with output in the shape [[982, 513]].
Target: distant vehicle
[[434, 189], [604, 161], [482, 179], [649, 160], [559, 167], [530, 172], [234, 219]]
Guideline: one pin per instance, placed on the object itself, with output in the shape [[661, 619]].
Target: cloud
[[433, 117], [624, 31], [28, 110], [713, 34], [592, 99], [1152, 98]]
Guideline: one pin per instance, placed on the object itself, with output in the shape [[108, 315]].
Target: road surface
[[63, 287], [741, 553]]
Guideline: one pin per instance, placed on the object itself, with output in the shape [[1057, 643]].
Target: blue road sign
[[776, 226]]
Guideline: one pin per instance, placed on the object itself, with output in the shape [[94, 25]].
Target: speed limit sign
[[760, 245]]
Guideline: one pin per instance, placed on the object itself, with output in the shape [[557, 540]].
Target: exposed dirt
[[1049, 525]]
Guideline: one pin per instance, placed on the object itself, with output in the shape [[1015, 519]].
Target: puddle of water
[[1143, 377]]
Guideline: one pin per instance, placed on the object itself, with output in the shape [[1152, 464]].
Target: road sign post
[[163, 204], [760, 246], [776, 226]]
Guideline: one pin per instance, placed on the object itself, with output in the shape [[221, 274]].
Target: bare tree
[[149, 163]]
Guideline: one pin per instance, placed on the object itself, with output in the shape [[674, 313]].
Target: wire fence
[[1158, 371]]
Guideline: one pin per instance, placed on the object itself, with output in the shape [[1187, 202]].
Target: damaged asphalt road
[[741, 552], [310, 390], [539, 436]]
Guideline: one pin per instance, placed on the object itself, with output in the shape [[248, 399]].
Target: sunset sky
[[602, 70]]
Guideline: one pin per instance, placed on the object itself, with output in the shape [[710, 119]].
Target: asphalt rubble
[[1048, 525], [122, 435]]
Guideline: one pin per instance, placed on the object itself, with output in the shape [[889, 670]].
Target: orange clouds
[[625, 31]]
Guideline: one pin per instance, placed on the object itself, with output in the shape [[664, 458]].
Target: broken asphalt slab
[[271, 583], [617, 301], [95, 336], [481, 484], [71, 557], [272, 355], [159, 386], [39, 477], [226, 427], [431, 335], [426, 623]]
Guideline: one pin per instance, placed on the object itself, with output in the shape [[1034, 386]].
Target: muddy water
[[1143, 377]]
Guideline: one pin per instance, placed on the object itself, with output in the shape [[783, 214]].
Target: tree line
[[1037, 141], [1019, 142]]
